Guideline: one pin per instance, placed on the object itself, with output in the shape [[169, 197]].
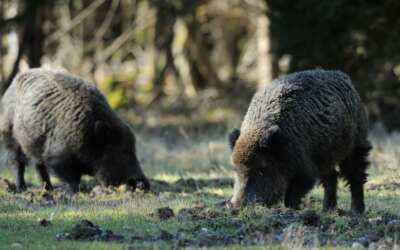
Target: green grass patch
[[192, 175]]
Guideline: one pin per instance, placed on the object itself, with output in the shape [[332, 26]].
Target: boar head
[[117, 162], [259, 167]]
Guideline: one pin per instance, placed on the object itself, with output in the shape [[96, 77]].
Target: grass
[[192, 175]]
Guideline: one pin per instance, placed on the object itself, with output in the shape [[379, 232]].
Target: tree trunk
[[1, 44], [202, 72], [31, 36], [34, 31], [264, 63], [164, 33]]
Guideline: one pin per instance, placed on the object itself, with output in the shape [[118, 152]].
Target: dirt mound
[[165, 213], [87, 230]]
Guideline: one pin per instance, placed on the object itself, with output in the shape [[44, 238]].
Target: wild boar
[[296, 130], [64, 124]]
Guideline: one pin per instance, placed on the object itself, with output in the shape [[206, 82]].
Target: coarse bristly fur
[[296, 130], [63, 123]]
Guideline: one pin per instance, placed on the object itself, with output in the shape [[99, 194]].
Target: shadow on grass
[[190, 185]]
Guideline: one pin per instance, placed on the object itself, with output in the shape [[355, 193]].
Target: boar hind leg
[[353, 168], [16, 157], [297, 189], [329, 182], [44, 176], [68, 176]]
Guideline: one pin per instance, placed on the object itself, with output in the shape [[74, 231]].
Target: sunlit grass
[[192, 157]]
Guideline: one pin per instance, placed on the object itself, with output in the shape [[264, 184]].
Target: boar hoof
[[133, 184], [144, 185]]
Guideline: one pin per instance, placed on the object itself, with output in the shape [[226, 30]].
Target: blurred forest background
[[201, 60]]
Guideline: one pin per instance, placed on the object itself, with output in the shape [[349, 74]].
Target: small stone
[[373, 246], [44, 222], [61, 236], [84, 230], [87, 230], [16, 245], [165, 213], [357, 245], [364, 240]]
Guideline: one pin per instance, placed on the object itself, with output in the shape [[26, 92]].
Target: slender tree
[[1, 43]]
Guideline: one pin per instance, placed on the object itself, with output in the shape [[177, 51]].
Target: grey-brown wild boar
[[296, 130], [62, 123]]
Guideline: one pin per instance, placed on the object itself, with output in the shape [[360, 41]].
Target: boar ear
[[270, 138], [104, 133], [233, 136]]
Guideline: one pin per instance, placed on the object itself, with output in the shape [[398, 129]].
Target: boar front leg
[[19, 161], [67, 168], [329, 182], [298, 187]]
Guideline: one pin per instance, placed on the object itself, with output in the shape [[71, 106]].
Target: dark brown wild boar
[[296, 131], [62, 123]]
